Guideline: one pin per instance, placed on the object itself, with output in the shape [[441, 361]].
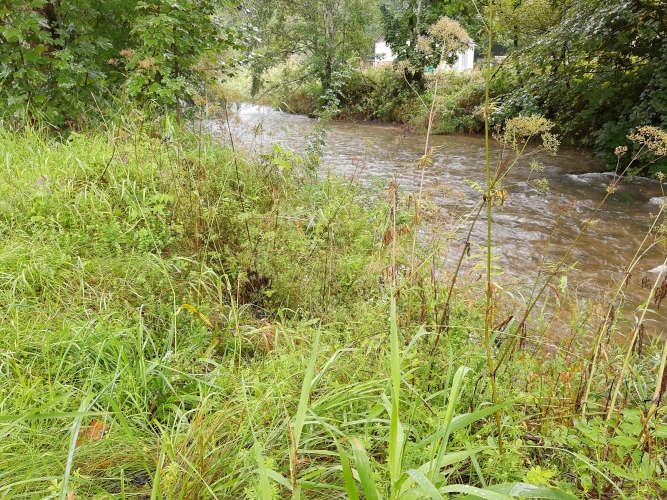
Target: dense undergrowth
[[380, 94], [184, 319]]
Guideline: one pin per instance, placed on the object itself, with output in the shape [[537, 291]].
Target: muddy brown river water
[[375, 153]]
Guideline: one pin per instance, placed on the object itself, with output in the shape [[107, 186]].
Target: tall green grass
[[184, 319]]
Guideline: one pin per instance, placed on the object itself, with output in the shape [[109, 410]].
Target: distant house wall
[[383, 54], [464, 61], [385, 57]]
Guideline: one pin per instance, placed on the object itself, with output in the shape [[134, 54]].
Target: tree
[[518, 23], [403, 22], [600, 72], [326, 33], [58, 57]]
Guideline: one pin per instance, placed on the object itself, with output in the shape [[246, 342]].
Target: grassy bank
[[379, 94], [184, 319]]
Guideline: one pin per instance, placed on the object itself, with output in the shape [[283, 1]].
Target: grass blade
[[426, 485], [278, 478], [461, 421], [350, 484], [364, 470], [454, 394], [451, 459], [74, 434], [475, 492], [305, 391], [47, 416], [525, 490], [264, 485], [156, 492]]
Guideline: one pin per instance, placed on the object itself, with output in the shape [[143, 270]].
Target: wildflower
[[652, 138], [550, 142], [403, 67], [542, 186], [536, 167], [199, 101], [450, 34], [146, 63], [425, 45], [525, 126], [522, 128]]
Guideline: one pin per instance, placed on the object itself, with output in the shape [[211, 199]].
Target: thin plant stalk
[[395, 429], [596, 346], [659, 384], [445, 313], [424, 161], [635, 333], [488, 312], [559, 265]]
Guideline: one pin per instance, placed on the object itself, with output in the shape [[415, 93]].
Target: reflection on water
[[378, 152]]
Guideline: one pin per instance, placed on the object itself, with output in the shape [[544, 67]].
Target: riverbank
[[375, 153], [456, 102], [184, 319], [381, 95]]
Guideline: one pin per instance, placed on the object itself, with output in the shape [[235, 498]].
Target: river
[[377, 152]]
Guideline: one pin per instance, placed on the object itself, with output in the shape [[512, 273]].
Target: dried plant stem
[[236, 168], [659, 385], [445, 313], [658, 393], [488, 316], [419, 198], [603, 324], [560, 264], [636, 331]]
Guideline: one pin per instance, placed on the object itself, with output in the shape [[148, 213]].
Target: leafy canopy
[[59, 58]]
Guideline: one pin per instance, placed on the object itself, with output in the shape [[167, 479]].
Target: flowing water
[[376, 153]]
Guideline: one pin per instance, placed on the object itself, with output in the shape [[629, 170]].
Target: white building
[[385, 57], [383, 54], [464, 60]]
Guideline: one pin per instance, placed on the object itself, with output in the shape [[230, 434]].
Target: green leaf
[[264, 485], [364, 470], [281, 163], [12, 34], [277, 478], [47, 416], [426, 485], [350, 485], [538, 475], [306, 387], [454, 394], [461, 421], [525, 490], [474, 492], [452, 458]]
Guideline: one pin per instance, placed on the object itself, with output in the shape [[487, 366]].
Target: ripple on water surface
[[376, 153]]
